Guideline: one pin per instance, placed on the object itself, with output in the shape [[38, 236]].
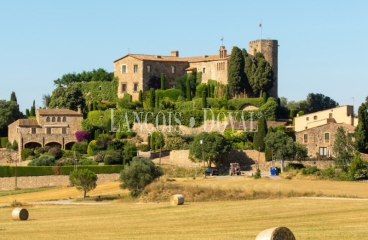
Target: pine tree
[[236, 72], [162, 81], [258, 140]]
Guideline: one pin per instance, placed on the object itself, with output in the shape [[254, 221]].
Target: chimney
[[79, 109], [175, 53]]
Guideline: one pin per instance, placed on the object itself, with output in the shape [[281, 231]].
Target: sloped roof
[[28, 123], [58, 112], [173, 58]]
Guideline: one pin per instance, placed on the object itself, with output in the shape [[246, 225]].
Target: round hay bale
[[20, 214], [177, 199], [276, 233]]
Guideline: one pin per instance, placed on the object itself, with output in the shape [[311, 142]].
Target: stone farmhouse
[[51, 127], [317, 130], [141, 72]]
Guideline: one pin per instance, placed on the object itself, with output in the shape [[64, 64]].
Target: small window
[[135, 87], [305, 137], [149, 68], [59, 119], [53, 119], [330, 115], [204, 70], [315, 117], [64, 119], [123, 87], [172, 69], [63, 130], [327, 137], [323, 151], [135, 68], [48, 130], [48, 119], [33, 130], [123, 68], [307, 119]]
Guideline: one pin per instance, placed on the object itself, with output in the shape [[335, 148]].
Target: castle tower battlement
[[269, 49]]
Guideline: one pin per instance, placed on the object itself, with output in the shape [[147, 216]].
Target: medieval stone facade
[[50, 127], [140, 72]]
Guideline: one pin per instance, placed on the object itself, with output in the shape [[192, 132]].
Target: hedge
[[237, 104], [3, 142], [22, 171]]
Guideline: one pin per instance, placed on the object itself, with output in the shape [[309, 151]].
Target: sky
[[321, 43]]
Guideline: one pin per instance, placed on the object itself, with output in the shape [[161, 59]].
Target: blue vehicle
[[211, 172]]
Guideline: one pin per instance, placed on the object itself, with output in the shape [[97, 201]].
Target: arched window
[[64, 119], [48, 119], [53, 119], [59, 119]]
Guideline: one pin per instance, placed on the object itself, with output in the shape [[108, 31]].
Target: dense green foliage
[[281, 145], [43, 160], [138, 174], [260, 134], [84, 180], [80, 147], [99, 75], [261, 78], [361, 131], [3, 142], [343, 148], [69, 97], [236, 75], [239, 103], [163, 82], [9, 112]]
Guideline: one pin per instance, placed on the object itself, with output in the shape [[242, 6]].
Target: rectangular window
[[315, 117], [123, 87], [135, 68], [323, 151], [135, 87], [327, 137], [149, 68], [204, 70], [305, 137], [330, 115], [63, 130], [307, 119], [172, 69], [123, 68], [48, 130], [33, 130]]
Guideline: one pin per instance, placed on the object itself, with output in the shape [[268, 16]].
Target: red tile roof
[[204, 58], [58, 112]]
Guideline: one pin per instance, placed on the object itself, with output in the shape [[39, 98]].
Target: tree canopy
[[318, 102], [343, 148], [281, 144], [361, 131], [84, 180], [9, 112], [236, 75], [69, 97], [94, 75], [261, 75], [214, 146]]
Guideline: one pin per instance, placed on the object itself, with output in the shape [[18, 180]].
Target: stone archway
[[32, 145], [54, 144], [69, 145]]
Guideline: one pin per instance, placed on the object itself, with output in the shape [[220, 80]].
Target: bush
[[310, 170], [56, 152], [25, 153], [80, 147], [99, 157], [81, 135], [115, 145], [3, 142], [44, 160], [257, 175], [112, 157], [143, 147], [87, 161], [172, 93], [294, 166], [94, 147], [41, 150]]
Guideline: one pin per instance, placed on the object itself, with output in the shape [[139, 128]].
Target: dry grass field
[[307, 218]]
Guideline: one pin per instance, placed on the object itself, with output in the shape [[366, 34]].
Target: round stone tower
[[269, 49]]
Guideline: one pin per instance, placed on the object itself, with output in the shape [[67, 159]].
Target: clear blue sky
[[322, 43]]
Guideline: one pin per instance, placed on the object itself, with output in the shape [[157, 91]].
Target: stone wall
[[4, 152], [47, 181], [212, 70]]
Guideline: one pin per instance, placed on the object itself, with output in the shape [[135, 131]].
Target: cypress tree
[[31, 112], [152, 98], [162, 81], [97, 133], [361, 131], [264, 96], [13, 97], [108, 126], [187, 87], [236, 71], [149, 142], [140, 97], [94, 106], [204, 97], [226, 95], [27, 112], [258, 142]]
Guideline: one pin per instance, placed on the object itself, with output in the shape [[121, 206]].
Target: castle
[[137, 71]]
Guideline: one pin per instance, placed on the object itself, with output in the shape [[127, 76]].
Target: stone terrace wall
[[47, 181], [3, 152]]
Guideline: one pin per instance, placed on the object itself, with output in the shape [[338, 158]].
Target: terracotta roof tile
[[159, 58], [28, 123]]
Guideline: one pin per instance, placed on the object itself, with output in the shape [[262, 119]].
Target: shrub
[[85, 180], [257, 175], [93, 148], [112, 157], [172, 93], [3, 142], [199, 90], [115, 145], [294, 166], [99, 157], [143, 147], [44, 160], [41, 150], [310, 170], [56, 152], [87, 161], [80, 147], [81, 135], [268, 154], [25, 153]]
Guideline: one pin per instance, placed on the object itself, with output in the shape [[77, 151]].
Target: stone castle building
[[317, 130], [140, 71], [51, 127]]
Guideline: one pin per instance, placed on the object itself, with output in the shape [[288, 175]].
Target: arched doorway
[[69, 145], [32, 145], [53, 144]]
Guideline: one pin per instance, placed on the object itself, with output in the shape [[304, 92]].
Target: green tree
[[69, 97], [343, 148], [361, 131], [9, 112], [162, 81], [13, 97], [129, 151], [261, 75], [152, 97], [301, 152], [204, 97], [281, 144], [84, 180], [213, 146], [27, 113], [94, 75], [356, 164], [258, 141], [138, 174], [188, 92], [236, 75], [140, 98], [46, 99], [318, 102], [33, 109]]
